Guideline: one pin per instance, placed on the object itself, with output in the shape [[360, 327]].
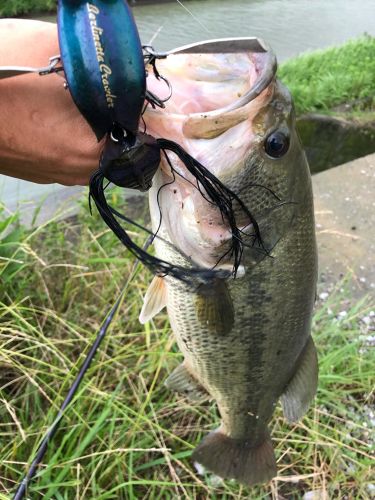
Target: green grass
[[126, 436], [20, 7], [323, 79]]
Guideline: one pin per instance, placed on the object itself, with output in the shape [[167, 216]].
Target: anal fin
[[302, 387], [183, 382]]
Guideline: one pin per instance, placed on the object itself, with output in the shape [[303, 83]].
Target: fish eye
[[277, 144]]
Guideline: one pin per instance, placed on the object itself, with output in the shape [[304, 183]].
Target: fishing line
[[266, 188], [42, 449], [193, 16]]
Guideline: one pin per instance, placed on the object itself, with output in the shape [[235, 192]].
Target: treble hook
[[150, 57]]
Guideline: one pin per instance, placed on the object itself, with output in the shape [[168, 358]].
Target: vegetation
[[20, 7], [323, 79], [126, 436]]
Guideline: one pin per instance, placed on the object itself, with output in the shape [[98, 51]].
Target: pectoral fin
[[214, 307], [302, 387], [155, 299], [183, 382]]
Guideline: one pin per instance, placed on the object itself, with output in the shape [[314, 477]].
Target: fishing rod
[[21, 490], [43, 447]]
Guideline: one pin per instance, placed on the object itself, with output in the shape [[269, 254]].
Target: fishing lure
[[101, 51], [104, 65]]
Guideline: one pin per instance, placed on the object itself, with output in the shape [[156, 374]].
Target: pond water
[[289, 26]]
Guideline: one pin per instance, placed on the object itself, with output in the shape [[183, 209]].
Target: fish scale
[[211, 359], [246, 341]]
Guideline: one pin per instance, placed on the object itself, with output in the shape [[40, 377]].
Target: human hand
[[43, 136]]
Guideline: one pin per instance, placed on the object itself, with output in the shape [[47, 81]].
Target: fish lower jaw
[[211, 249]]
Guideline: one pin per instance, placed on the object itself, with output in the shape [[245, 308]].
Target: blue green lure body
[[103, 62]]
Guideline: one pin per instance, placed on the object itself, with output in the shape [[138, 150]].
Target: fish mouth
[[266, 66], [251, 72], [211, 93], [215, 97]]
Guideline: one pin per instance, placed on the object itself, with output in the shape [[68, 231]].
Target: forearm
[[43, 137]]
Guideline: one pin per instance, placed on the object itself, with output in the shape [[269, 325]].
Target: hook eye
[[118, 133], [149, 49], [150, 53]]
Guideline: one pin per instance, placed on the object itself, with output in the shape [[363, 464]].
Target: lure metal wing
[[220, 45]]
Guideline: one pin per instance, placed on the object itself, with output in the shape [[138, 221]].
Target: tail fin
[[237, 459]]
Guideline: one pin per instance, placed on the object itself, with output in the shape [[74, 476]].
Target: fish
[[246, 336]]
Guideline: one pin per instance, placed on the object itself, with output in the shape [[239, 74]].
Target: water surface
[[289, 26]]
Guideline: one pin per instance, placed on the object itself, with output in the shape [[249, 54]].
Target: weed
[[326, 78], [125, 435]]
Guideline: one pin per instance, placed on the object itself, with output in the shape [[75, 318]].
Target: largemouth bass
[[246, 340]]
